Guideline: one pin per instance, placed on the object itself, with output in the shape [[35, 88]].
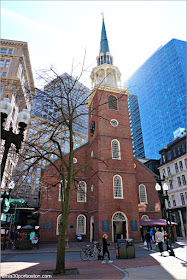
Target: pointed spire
[[104, 42], [104, 53]]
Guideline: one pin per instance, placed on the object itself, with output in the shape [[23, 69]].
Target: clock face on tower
[[92, 128]]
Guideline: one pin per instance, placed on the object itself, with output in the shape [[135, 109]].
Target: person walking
[[148, 240], [166, 240], [159, 240], [151, 234], [105, 248]]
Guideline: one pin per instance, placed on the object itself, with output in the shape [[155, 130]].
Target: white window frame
[[113, 151], [80, 197], [142, 201], [57, 224], [83, 230], [114, 187], [59, 194]]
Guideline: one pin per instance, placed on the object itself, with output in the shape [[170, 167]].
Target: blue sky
[[58, 32]]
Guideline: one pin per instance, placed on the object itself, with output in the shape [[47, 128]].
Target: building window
[[176, 167], [35, 202], [182, 199], [81, 224], [186, 196], [183, 179], [112, 102], [10, 51], [58, 224], [115, 149], [7, 63], [28, 189], [37, 181], [117, 186], [2, 63], [169, 203], [29, 180], [179, 181], [142, 194], [38, 170], [145, 217], [173, 199], [81, 192], [61, 191], [3, 50], [4, 74], [163, 173], [185, 162], [169, 171], [92, 109], [171, 184], [183, 148], [174, 152], [180, 165], [22, 189]]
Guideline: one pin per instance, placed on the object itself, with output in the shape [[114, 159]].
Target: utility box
[[125, 249]]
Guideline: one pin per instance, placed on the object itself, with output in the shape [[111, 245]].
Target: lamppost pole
[[162, 198], [10, 137]]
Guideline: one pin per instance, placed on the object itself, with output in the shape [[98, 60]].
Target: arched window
[[142, 194], [92, 109], [81, 192], [112, 102], [117, 186], [61, 191], [81, 224], [115, 145], [58, 223], [144, 217]]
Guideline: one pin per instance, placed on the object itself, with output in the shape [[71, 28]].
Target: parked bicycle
[[91, 253]]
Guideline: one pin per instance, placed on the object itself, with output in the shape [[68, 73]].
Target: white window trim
[[145, 195], [59, 194], [121, 197], [57, 224], [119, 158], [85, 191], [84, 230]]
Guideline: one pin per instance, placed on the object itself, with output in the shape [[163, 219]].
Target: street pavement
[[148, 265]]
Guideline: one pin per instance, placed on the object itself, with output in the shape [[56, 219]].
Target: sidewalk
[[151, 267]]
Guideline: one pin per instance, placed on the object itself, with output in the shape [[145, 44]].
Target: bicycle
[[91, 253]]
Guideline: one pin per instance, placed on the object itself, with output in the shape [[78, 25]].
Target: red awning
[[154, 222]]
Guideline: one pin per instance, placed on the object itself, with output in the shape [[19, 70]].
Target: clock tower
[[110, 141]]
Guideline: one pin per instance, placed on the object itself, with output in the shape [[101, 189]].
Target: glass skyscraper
[[160, 87]]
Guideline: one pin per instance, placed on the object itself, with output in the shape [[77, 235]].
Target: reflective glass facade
[[160, 87]]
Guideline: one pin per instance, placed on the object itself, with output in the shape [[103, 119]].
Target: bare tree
[[59, 113]]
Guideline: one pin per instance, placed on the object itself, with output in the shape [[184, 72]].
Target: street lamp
[[11, 138], [162, 197]]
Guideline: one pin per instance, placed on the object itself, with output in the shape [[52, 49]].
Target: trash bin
[[121, 249], [130, 248]]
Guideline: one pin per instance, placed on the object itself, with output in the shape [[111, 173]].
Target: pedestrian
[[151, 234], [148, 240], [166, 240], [105, 248], [159, 240]]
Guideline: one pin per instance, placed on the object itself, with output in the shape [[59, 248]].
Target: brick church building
[[118, 191]]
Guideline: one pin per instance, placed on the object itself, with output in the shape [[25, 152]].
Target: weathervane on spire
[[102, 15]]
